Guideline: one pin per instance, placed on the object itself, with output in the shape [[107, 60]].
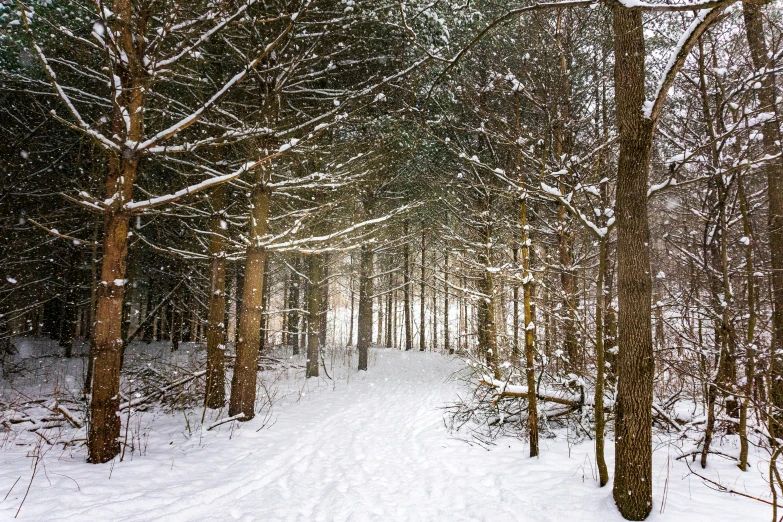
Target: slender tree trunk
[[423, 300], [215, 395], [314, 301], [750, 357], [754, 29], [243, 382], [487, 323], [406, 289], [389, 312], [293, 307], [528, 286], [324, 308], [446, 342], [600, 363], [353, 310], [365, 304]]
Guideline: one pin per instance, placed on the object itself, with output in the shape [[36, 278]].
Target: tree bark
[[406, 291], [633, 426], [293, 308], [104, 431], [243, 382], [365, 305], [446, 344], [422, 300], [215, 395], [314, 300], [754, 29]]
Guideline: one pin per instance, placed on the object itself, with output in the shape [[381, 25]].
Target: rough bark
[[243, 382], [423, 299], [293, 309], [215, 394], [406, 284], [104, 430], [446, 342], [365, 305], [754, 29], [633, 426], [314, 300]]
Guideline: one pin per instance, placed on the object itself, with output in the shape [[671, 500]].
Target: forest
[[391, 260]]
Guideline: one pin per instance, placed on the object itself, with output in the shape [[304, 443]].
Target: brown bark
[[446, 342], [486, 308], [293, 309], [215, 396], [104, 430], [423, 299], [324, 308], [750, 357], [314, 300], [406, 283], [243, 382], [633, 426], [365, 305], [754, 28]]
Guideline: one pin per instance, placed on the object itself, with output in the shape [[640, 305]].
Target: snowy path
[[373, 448]]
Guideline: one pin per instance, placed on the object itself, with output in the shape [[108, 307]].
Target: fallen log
[[504, 390]]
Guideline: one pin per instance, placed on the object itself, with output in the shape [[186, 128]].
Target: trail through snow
[[369, 448]]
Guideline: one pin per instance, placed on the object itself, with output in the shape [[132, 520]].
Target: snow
[[368, 446], [701, 15]]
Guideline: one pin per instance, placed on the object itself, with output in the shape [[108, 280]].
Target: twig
[[12, 488], [725, 489]]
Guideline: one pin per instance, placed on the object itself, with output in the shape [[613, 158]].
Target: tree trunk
[[446, 344], [406, 291], [293, 308], [365, 305], [636, 363], [215, 395], [389, 313], [323, 310], [750, 357], [243, 383], [423, 300], [530, 330], [754, 29], [600, 365], [314, 300], [104, 428]]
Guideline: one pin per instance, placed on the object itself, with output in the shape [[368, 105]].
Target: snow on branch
[[599, 232], [204, 37], [81, 125], [195, 116], [138, 206], [687, 6], [704, 18], [293, 244]]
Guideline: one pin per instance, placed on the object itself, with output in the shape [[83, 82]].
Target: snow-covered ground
[[367, 446]]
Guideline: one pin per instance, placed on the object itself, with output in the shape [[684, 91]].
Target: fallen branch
[[662, 414], [161, 391], [238, 416], [67, 414]]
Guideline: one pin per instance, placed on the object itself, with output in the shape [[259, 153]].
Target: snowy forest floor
[[364, 446]]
